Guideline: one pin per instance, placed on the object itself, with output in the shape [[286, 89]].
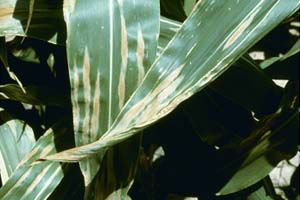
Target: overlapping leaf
[[37, 180], [16, 140], [197, 55], [260, 194], [108, 56], [189, 5]]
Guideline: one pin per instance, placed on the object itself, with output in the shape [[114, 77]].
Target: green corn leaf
[[259, 195], [278, 60], [254, 79], [16, 140], [189, 5], [126, 33], [183, 70], [168, 28], [37, 180]]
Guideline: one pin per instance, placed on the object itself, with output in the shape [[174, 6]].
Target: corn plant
[[84, 82]]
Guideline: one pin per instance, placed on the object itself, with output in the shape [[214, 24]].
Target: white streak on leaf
[[36, 181], [124, 54], [76, 110], [30, 13], [240, 30], [3, 170], [96, 110], [28, 157], [149, 101], [160, 93], [191, 50], [140, 55], [57, 172], [111, 56], [18, 183], [69, 6], [4, 95], [87, 97], [47, 150]]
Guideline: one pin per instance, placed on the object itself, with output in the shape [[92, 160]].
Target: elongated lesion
[[87, 96], [124, 56], [241, 29], [140, 55], [96, 110]]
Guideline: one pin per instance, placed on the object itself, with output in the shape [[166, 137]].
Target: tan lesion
[[124, 54], [140, 55], [6, 12], [241, 29]]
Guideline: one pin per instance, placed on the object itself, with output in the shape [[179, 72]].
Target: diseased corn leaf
[[168, 28], [108, 56], [37, 180], [34, 95], [16, 140], [225, 30], [28, 17], [254, 79]]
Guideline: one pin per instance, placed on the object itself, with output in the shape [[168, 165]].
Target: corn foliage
[[85, 86]]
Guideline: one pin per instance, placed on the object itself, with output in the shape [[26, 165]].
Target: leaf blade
[[264, 15]]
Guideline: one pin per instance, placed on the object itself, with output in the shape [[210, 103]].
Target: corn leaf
[[126, 33], [255, 80], [259, 195], [16, 140], [189, 5], [37, 180], [293, 51], [183, 70]]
